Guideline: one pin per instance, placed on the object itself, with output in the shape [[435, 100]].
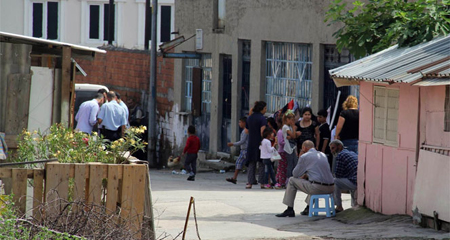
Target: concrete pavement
[[228, 211]]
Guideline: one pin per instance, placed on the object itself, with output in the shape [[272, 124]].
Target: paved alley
[[228, 211]]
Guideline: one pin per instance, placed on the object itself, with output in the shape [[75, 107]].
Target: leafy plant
[[77, 147], [378, 24]]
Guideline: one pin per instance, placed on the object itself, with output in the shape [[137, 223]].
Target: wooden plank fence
[[119, 188]]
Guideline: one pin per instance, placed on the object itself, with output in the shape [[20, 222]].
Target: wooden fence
[[119, 188]]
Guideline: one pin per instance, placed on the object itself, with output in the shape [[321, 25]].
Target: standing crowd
[[296, 150], [106, 112]]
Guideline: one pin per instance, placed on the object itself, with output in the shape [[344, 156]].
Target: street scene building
[[276, 119], [245, 58]]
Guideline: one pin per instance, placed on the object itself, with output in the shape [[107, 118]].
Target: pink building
[[404, 139]]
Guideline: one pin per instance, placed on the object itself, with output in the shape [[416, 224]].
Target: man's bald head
[[111, 96], [307, 145]]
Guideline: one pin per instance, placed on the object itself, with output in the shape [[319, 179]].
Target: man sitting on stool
[[346, 170], [312, 176]]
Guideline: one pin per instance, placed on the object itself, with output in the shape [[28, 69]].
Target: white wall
[[73, 25]]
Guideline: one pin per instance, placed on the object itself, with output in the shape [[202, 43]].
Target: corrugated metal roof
[[400, 64], [16, 38], [433, 82]]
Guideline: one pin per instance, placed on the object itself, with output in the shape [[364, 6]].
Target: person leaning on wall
[[347, 128]]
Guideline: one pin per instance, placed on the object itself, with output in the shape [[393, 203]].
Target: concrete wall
[[293, 21], [16, 17], [386, 174]]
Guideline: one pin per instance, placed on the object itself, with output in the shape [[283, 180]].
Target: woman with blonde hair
[[347, 128]]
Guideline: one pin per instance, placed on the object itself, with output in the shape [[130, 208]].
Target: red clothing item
[[192, 144]]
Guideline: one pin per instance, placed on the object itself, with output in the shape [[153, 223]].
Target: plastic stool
[[314, 208]]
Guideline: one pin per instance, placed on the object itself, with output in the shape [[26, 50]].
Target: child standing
[[282, 164], [266, 153], [325, 135], [191, 150], [289, 135], [243, 154]]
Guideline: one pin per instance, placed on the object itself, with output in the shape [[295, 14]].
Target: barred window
[[288, 74], [189, 65], [206, 65]]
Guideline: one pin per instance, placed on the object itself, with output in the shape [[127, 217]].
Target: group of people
[[107, 111], [310, 153]]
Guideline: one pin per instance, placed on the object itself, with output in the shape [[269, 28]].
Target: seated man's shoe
[[191, 178], [286, 213], [305, 211]]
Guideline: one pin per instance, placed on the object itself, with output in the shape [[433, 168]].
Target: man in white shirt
[[87, 114], [312, 176], [112, 117]]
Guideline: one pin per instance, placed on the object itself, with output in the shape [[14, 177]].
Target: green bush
[[70, 146]]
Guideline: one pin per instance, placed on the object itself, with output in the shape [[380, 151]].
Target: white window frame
[[86, 23], [28, 18], [389, 109], [141, 22], [101, 22]]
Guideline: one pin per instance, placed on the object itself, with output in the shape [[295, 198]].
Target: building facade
[[251, 50], [85, 22], [404, 150]]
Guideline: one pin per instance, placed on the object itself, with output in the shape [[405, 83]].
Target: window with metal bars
[[205, 63], [190, 64], [288, 74]]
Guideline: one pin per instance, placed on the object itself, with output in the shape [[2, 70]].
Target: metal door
[[226, 103]]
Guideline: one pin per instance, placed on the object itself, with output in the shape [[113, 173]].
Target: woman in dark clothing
[[347, 128], [307, 129], [256, 123]]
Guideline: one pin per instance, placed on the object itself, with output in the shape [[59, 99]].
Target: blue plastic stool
[[314, 208]]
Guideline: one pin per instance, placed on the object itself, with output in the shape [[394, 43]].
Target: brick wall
[[128, 72]]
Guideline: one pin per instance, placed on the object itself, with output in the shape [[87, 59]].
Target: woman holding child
[[307, 129]]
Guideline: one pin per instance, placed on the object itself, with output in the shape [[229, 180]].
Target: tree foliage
[[378, 24]]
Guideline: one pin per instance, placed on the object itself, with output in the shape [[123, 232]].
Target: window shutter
[[379, 114], [165, 29], [94, 22], [385, 115], [392, 116], [37, 19], [52, 20]]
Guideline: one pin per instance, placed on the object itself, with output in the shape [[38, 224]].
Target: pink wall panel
[[432, 117], [411, 177], [408, 114], [394, 181], [366, 111], [361, 172], [374, 174]]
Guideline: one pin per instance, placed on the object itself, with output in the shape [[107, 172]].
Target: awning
[[341, 82], [433, 82]]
